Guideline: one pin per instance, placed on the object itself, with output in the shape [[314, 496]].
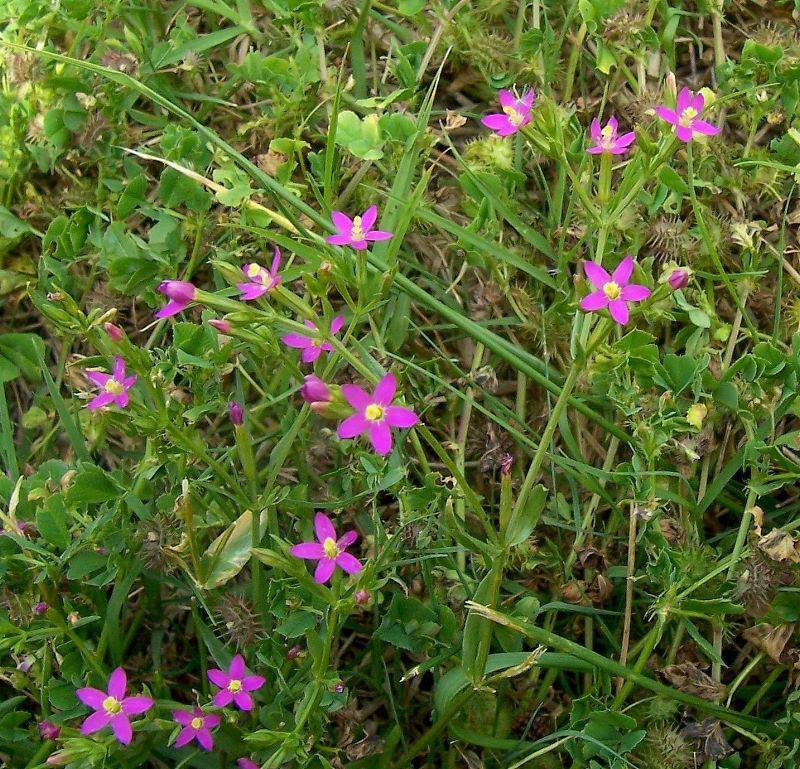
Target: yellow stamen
[[357, 233], [612, 290], [235, 686], [113, 386], [253, 270], [196, 723], [331, 548], [373, 412], [514, 115], [607, 132], [112, 705], [687, 116]]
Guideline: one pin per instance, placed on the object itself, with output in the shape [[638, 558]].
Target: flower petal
[[298, 341], [506, 98], [324, 570], [626, 139], [98, 377], [684, 133], [702, 127], [378, 235], [336, 324], [122, 728], [211, 721], [381, 437], [119, 368], [135, 705], [308, 550], [204, 739], [185, 736], [311, 353], [623, 273], [121, 400], [684, 100], [499, 122], [342, 222], [594, 131], [91, 697], [183, 717], [597, 276], [252, 683], [236, 669], [349, 563], [398, 416], [594, 301], [619, 311], [633, 292], [276, 262], [347, 539], [338, 240], [352, 426], [218, 678], [95, 722], [117, 682], [698, 103], [385, 390], [356, 396], [613, 124], [223, 698], [369, 217], [665, 113], [323, 527], [170, 308]]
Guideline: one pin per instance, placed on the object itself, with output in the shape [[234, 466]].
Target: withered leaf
[[710, 737], [780, 546], [690, 679], [771, 639]]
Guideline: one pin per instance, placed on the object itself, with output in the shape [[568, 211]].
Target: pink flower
[[114, 387], [196, 726], [259, 281], [246, 763], [357, 231], [114, 332], [328, 550], [49, 731], [40, 608], [678, 278], [221, 325], [685, 116], [112, 707], [180, 293], [375, 414], [314, 390], [312, 348], [613, 291], [606, 139], [235, 413], [235, 685], [516, 113]]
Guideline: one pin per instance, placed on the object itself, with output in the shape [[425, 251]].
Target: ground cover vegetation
[[392, 384]]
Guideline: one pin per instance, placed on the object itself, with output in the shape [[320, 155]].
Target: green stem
[[744, 528]]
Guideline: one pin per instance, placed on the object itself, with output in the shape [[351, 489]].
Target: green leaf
[[670, 178], [19, 356], [524, 521], [361, 138], [90, 486], [51, 523], [230, 551]]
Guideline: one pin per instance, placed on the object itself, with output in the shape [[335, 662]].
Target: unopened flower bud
[[40, 608], [293, 653], [338, 688], [220, 325], [73, 617], [49, 731], [314, 390], [114, 332], [25, 663], [361, 596], [506, 463], [678, 279], [235, 413]]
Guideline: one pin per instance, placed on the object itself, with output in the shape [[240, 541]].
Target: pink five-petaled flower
[[246, 763], [606, 140], [328, 550], [375, 414], [180, 293], [196, 726], [613, 291], [114, 386], [357, 231], [112, 707], [685, 116], [312, 348], [234, 685], [516, 113], [259, 280]]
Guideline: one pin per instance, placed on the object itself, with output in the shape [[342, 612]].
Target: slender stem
[[744, 527], [626, 629]]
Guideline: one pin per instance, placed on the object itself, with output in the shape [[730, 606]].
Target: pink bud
[[49, 731], [361, 596], [220, 325], [506, 464], [235, 413], [293, 653], [115, 333], [314, 390], [40, 608], [678, 279], [246, 763], [338, 688], [178, 290]]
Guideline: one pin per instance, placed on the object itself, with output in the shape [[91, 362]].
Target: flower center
[[357, 233], [687, 116], [235, 685], [515, 117], [331, 548], [112, 705], [607, 132], [253, 270], [196, 723], [113, 386], [612, 290], [373, 412]]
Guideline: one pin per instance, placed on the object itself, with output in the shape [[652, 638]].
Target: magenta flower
[[328, 550], [180, 293], [375, 414], [112, 707], [235, 413], [235, 685], [613, 291], [678, 278], [49, 731], [114, 387], [314, 390], [246, 763], [606, 140], [516, 113], [357, 231], [685, 116], [259, 281], [312, 348], [196, 726]]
